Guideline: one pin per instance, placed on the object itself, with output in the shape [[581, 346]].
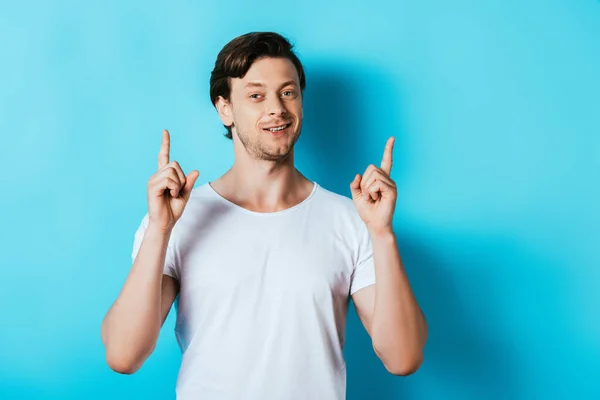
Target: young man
[[263, 260]]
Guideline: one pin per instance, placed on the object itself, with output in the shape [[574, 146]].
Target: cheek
[[248, 117], [296, 109]]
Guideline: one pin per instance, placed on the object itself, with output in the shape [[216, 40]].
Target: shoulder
[[203, 197], [203, 208], [201, 192], [203, 200], [340, 208], [330, 198]]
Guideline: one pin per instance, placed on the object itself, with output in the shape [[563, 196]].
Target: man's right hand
[[168, 189]]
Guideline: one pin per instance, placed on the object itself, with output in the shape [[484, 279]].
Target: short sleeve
[[364, 269], [169, 268]]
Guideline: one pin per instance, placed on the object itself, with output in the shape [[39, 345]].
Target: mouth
[[277, 130]]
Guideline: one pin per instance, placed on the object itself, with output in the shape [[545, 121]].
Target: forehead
[[269, 72]]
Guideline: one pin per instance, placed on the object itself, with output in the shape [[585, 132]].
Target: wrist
[[382, 234], [156, 229]]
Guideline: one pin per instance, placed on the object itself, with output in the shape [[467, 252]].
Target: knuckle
[[173, 175]]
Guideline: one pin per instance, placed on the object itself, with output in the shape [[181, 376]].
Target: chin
[[279, 151], [270, 147]]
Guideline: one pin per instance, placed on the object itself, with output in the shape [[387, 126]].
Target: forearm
[[131, 326], [398, 328]]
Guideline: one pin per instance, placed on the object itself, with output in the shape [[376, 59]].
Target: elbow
[[400, 362], [401, 358], [404, 366], [124, 363], [124, 357], [121, 365]]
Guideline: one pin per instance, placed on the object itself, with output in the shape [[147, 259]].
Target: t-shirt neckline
[[263, 214]]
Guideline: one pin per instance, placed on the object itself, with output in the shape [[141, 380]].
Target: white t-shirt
[[264, 296]]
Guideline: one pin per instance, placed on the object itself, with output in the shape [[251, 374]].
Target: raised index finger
[[386, 161], [165, 146]]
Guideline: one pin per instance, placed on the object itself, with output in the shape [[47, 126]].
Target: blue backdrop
[[496, 111]]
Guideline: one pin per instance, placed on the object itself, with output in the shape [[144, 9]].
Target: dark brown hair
[[236, 58]]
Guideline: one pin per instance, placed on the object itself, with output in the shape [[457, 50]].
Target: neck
[[263, 186]]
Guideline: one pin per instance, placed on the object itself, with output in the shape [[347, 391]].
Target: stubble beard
[[257, 150]]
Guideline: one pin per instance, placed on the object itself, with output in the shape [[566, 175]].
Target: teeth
[[279, 128]]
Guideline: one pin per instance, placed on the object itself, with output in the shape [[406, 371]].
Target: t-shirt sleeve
[[364, 269], [170, 267]]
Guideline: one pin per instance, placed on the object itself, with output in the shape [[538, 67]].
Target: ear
[[224, 109]]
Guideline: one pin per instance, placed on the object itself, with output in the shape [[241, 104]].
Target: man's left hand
[[374, 194]]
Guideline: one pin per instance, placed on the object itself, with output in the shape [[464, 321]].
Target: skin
[[263, 178]]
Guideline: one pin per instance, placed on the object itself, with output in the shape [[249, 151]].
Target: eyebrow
[[260, 84]]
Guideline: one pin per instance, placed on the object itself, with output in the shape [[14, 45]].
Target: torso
[[264, 297]]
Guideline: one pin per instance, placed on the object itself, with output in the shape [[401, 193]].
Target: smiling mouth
[[277, 128]]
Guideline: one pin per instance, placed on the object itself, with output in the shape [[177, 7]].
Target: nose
[[275, 106]]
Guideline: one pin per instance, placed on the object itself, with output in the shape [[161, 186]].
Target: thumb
[[355, 187], [190, 180]]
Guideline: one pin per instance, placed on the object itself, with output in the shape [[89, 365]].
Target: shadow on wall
[[344, 103], [338, 142], [470, 353], [339, 138]]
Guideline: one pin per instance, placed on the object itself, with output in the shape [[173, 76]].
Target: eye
[[288, 93], [255, 96]]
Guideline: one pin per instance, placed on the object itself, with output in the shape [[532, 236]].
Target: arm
[[130, 328], [389, 311]]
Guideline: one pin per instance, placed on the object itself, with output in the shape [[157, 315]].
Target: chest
[[297, 261]]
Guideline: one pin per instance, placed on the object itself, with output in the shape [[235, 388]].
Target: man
[[263, 260]]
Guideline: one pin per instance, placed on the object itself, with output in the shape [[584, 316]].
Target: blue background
[[496, 111]]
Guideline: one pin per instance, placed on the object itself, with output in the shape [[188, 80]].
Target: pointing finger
[[386, 161], [163, 155]]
